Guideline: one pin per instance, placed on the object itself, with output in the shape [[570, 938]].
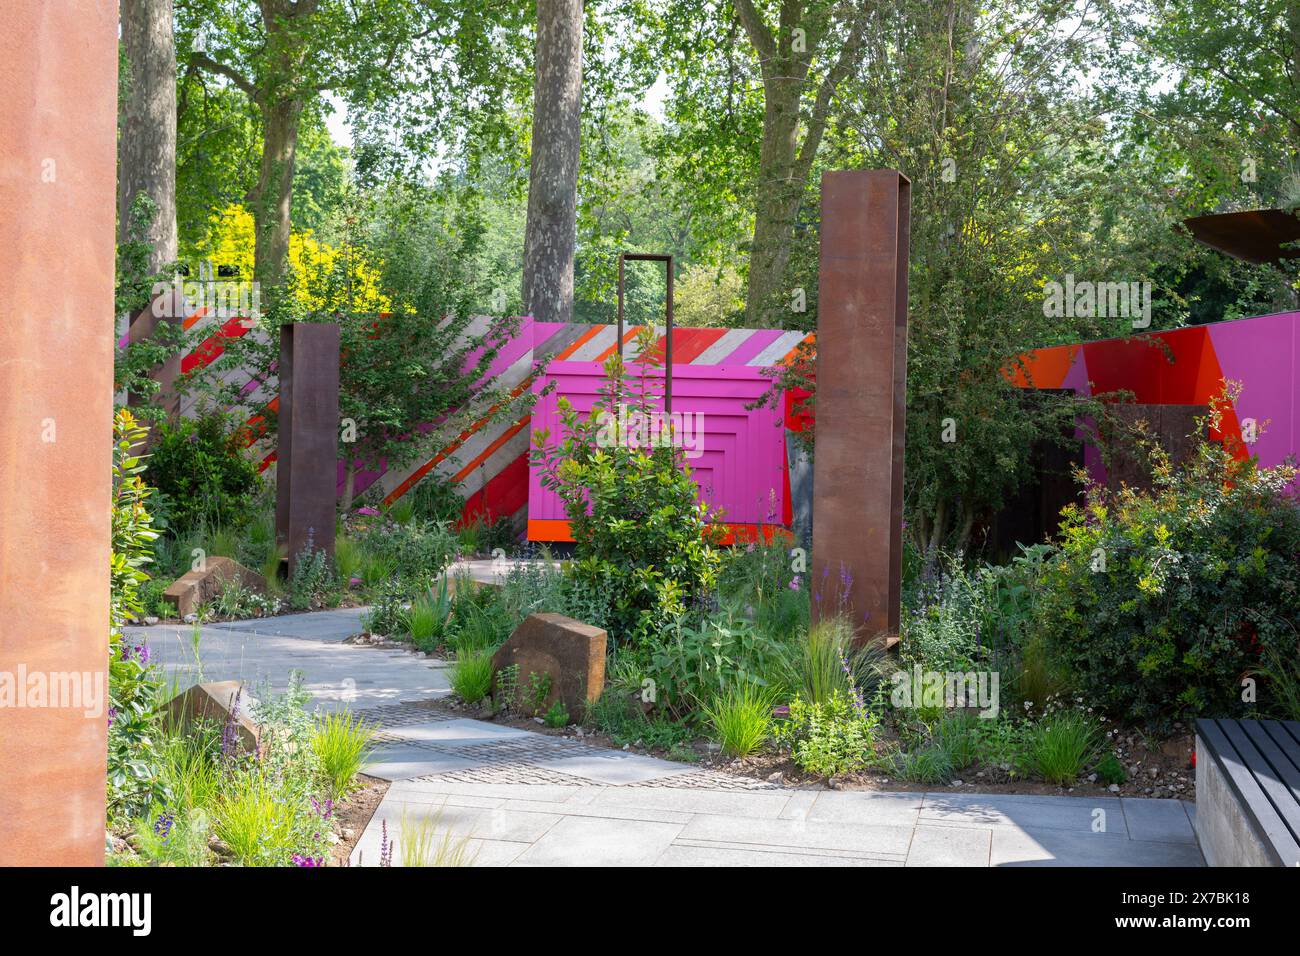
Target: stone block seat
[[1248, 792]]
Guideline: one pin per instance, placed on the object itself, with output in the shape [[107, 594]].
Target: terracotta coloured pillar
[[306, 465], [861, 398], [58, 121]]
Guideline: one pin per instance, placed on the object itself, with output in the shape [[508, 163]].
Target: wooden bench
[[1248, 792]]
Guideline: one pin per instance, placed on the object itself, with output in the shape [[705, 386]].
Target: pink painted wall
[[742, 467]]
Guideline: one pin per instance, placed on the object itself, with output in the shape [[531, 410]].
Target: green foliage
[[617, 715], [822, 660], [930, 764], [341, 744], [312, 581], [1160, 601], [831, 738], [1061, 744], [133, 684], [426, 620], [1109, 770], [741, 719], [387, 615], [471, 676], [436, 499], [416, 551], [199, 466], [691, 664], [255, 822], [557, 715], [640, 533]]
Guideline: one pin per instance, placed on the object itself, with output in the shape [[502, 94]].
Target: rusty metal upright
[[307, 453], [861, 399], [58, 154], [668, 308]]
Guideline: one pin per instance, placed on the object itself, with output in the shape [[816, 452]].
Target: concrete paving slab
[[1158, 821], [405, 762], [1078, 814], [690, 855], [865, 840], [740, 803], [949, 846], [593, 841], [332, 625], [1016, 847], [458, 733], [840, 806], [615, 767]]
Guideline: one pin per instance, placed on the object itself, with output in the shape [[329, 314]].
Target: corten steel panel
[[58, 118], [307, 459], [861, 398]]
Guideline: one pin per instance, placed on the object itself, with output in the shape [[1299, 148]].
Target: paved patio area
[[530, 799]]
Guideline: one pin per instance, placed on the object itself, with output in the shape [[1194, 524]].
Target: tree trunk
[[779, 194], [551, 232], [146, 146], [272, 198], [349, 483]]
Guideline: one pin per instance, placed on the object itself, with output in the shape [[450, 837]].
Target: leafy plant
[[1160, 600], [741, 719], [1109, 769], [133, 780], [831, 738], [199, 466], [341, 744], [640, 531], [471, 676], [1061, 744], [557, 715]]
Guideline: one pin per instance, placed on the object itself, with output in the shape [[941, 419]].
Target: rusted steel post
[[306, 465], [861, 399], [668, 302], [58, 150]]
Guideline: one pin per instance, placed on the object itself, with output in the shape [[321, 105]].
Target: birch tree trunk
[[146, 146], [551, 232]]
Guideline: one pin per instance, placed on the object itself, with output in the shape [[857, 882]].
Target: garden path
[[529, 799]]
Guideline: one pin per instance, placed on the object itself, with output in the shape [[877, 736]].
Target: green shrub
[[640, 532], [133, 684], [1061, 744], [341, 744], [427, 618], [831, 738], [617, 715], [312, 580], [471, 676], [693, 663], [557, 715], [741, 719], [1160, 601], [822, 660], [1109, 770], [256, 822], [436, 499], [348, 558], [199, 465], [931, 764]]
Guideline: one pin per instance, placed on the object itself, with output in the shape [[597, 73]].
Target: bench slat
[[1273, 771], [1228, 754]]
